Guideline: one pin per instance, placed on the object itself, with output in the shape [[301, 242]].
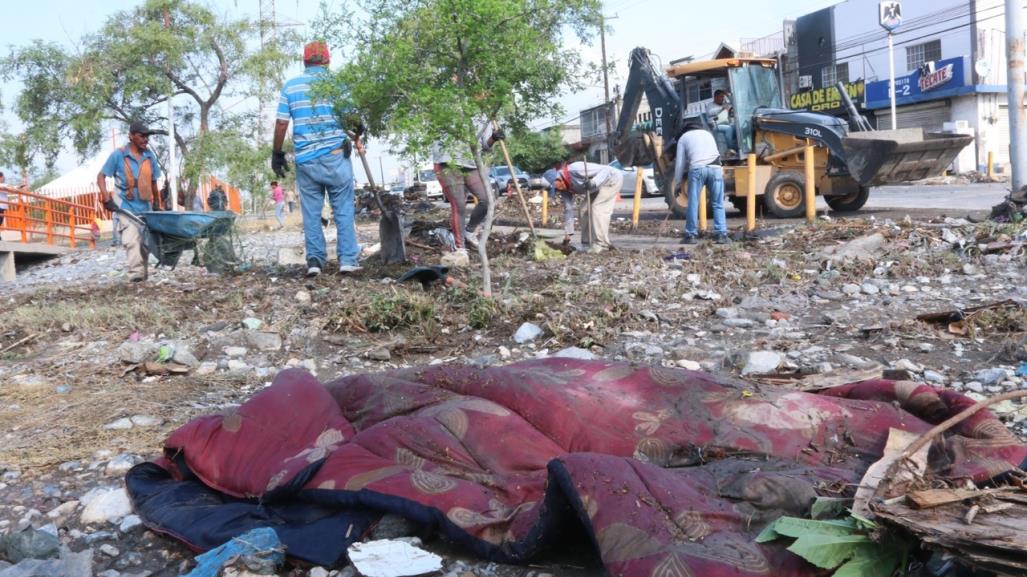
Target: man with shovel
[[602, 184], [323, 165], [135, 171]]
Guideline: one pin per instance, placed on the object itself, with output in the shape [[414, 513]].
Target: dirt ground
[[81, 357]]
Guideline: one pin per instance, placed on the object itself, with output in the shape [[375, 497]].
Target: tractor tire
[[677, 203], [785, 196], [849, 202]]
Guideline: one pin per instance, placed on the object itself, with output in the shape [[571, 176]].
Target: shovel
[[390, 227]]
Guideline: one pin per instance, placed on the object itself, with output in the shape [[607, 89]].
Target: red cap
[[315, 52]]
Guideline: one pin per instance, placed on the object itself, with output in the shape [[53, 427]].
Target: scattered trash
[[677, 256], [445, 237], [392, 558], [258, 550]]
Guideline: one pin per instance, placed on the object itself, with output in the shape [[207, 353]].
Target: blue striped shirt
[[315, 130]]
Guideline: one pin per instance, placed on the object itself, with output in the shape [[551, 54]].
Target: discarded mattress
[[671, 472]]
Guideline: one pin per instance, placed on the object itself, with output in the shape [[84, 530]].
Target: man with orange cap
[[323, 166]]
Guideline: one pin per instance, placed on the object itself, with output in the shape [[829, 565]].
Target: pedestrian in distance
[[699, 160], [278, 198], [459, 178], [601, 183], [323, 167], [290, 199], [135, 171]]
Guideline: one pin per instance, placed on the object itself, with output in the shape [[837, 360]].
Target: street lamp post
[[890, 17]]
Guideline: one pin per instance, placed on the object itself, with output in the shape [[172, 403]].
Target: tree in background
[[430, 70], [129, 69], [536, 152]]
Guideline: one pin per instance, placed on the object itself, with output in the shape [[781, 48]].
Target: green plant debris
[[853, 546]]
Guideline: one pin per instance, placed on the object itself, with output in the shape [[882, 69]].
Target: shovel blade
[[390, 232]]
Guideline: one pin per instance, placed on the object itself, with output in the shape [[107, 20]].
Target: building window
[[829, 75], [699, 90], [926, 52]]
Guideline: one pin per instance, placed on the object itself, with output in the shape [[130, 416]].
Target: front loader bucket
[[893, 156]]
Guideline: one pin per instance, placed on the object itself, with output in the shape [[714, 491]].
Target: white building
[[950, 67]]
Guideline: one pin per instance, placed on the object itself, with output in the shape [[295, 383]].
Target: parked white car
[[627, 187], [426, 177]]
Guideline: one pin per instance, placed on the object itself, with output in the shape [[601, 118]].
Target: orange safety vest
[[145, 181]]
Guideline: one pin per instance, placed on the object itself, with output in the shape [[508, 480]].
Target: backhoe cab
[[845, 165]]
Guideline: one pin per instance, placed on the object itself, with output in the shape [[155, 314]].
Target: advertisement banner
[[828, 99], [924, 84]]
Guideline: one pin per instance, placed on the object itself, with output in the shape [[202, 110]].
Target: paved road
[[889, 201]]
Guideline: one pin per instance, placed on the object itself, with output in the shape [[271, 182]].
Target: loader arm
[[664, 102]]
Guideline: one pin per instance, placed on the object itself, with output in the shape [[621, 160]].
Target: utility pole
[[1015, 81], [606, 85], [172, 157], [890, 17], [381, 170]]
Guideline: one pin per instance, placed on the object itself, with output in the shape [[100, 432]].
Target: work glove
[[498, 135], [278, 163], [361, 129], [110, 205]]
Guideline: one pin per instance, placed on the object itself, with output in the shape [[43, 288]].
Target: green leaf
[[863, 522], [880, 563], [166, 352], [829, 507], [796, 527], [830, 551]]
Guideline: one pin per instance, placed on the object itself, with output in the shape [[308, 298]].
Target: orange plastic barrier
[[39, 218]]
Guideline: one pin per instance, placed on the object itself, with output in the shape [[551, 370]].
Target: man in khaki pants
[[135, 171], [602, 184]]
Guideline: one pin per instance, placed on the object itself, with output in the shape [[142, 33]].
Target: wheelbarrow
[[167, 234]]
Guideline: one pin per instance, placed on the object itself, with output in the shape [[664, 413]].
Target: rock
[[526, 333], [575, 353], [380, 354], [252, 323], [687, 364], [851, 289], [908, 365], [135, 352], [969, 269], [236, 351], [31, 544], [739, 323], [869, 288], [120, 465], [761, 362], [129, 523], [107, 507], [925, 347], [146, 421], [61, 512], [68, 565], [854, 361], [934, 377], [264, 341], [974, 387], [727, 313], [837, 316], [990, 377], [98, 536], [823, 368], [318, 572], [302, 297], [109, 550], [643, 352], [119, 425], [206, 368], [864, 247], [184, 356], [237, 366]]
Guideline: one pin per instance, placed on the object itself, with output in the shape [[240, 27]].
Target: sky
[[671, 29]]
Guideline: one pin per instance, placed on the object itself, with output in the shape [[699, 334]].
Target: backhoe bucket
[[894, 156]]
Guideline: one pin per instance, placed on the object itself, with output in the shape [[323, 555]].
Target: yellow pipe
[[702, 210], [636, 207], [750, 196], [545, 206], [811, 188], [784, 153], [991, 165]]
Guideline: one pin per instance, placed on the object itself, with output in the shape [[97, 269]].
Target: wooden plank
[[937, 497]]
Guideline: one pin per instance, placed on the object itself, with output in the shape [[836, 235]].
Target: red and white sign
[[933, 80]]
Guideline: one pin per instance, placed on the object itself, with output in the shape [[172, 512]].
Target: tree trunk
[[486, 225]]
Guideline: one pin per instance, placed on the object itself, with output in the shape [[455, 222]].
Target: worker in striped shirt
[[323, 166]]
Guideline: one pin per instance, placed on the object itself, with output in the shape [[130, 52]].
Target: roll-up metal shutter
[[930, 115]]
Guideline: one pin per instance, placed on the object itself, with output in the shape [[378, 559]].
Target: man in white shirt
[[720, 112], [698, 158]]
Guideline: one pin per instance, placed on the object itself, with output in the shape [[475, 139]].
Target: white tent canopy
[[79, 180]]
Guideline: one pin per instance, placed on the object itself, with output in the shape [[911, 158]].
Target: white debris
[[389, 558]]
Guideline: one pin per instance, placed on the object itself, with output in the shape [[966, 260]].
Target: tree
[[128, 70], [537, 151], [431, 70]]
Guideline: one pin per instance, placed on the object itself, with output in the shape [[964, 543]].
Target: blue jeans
[[280, 213], [332, 174], [713, 178], [728, 132]]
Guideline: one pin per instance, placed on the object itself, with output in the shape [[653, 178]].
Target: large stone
[[862, 248], [575, 353], [264, 341], [184, 356], [120, 465], [990, 377], [135, 352], [739, 323], [527, 332], [31, 544], [107, 507], [761, 362]]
